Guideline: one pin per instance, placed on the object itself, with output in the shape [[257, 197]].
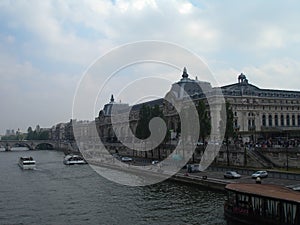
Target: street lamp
[[287, 159]]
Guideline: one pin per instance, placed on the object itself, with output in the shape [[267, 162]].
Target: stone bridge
[[34, 144]]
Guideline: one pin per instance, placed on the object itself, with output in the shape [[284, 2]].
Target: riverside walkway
[[215, 179], [210, 178]]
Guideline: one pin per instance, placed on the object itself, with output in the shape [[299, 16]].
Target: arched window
[[298, 120], [264, 120], [249, 124], [288, 120], [282, 120], [293, 120], [270, 120], [276, 120]]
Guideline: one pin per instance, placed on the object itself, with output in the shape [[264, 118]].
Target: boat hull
[[73, 160], [27, 167], [26, 163]]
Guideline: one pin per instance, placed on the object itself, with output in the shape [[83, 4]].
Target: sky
[[47, 47]]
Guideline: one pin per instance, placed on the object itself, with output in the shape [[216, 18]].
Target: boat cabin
[[262, 204]]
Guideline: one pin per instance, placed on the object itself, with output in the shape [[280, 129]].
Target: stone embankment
[[212, 179], [204, 181]]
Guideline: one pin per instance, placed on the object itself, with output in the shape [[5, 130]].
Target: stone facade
[[258, 113], [263, 111]]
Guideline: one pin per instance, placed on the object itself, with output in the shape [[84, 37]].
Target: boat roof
[[26, 158], [71, 156], [266, 190]]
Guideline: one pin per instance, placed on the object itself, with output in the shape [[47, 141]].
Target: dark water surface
[[59, 194]]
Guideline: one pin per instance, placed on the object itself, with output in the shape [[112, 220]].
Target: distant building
[[10, 132]]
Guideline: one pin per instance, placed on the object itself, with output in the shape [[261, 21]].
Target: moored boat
[[27, 163], [266, 204], [73, 159]]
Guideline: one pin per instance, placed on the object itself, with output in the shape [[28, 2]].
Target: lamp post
[[286, 152], [287, 159], [253, 130]]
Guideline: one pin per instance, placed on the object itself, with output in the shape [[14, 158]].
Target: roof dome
[[242, 79], [242, 76]]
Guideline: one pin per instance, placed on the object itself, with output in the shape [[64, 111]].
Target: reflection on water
[[15, 149]]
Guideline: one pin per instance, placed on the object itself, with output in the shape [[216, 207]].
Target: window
[[276, 120], [298, 120], [235, 123], [282, 120], [293, 120], [270, 120], [288, 120], [264, 120]]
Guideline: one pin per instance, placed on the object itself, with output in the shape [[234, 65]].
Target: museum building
[[258, 113]]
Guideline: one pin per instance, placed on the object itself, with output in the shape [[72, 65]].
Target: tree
[[145, 115], [226, 113], [9, 138], [44, 135], [142, 129], [37, 134], [204, 121]]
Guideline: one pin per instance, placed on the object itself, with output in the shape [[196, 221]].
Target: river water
[[58, 194]]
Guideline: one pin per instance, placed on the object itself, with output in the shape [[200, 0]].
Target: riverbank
[[200, 179], [203, 181], [212, 178]]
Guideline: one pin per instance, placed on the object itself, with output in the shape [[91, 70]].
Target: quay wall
[[238, 156]]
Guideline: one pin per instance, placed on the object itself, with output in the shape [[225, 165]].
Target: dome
[[242, 79], [242, 76]]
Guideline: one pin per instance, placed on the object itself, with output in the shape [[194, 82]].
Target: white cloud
[[280, 73], [276, 74], [46, 44], [30, 96], [271, 37]]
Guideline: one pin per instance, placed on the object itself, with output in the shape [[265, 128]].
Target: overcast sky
[[46, 47]]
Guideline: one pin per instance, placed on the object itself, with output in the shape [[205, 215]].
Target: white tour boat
[[27, 163], [74, 159]]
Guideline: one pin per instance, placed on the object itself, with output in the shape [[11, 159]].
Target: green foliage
[[226, 113], [142, 129], [145, 115], [229, 132], [9, 138], [204, 121], [35, 135], [14, 137]]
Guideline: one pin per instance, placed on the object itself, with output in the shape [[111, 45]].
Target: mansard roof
[[244, 88], [149, 103]]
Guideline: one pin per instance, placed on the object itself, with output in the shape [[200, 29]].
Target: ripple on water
[[59, 194]]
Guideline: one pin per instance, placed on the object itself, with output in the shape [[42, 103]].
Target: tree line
[[37, 134], [146, 113]]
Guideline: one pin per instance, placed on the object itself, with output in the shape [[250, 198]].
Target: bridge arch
[[21, 144]]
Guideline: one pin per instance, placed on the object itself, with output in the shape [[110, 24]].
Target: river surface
[[58, 194]]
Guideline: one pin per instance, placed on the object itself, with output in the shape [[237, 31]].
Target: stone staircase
[[261, 159]]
